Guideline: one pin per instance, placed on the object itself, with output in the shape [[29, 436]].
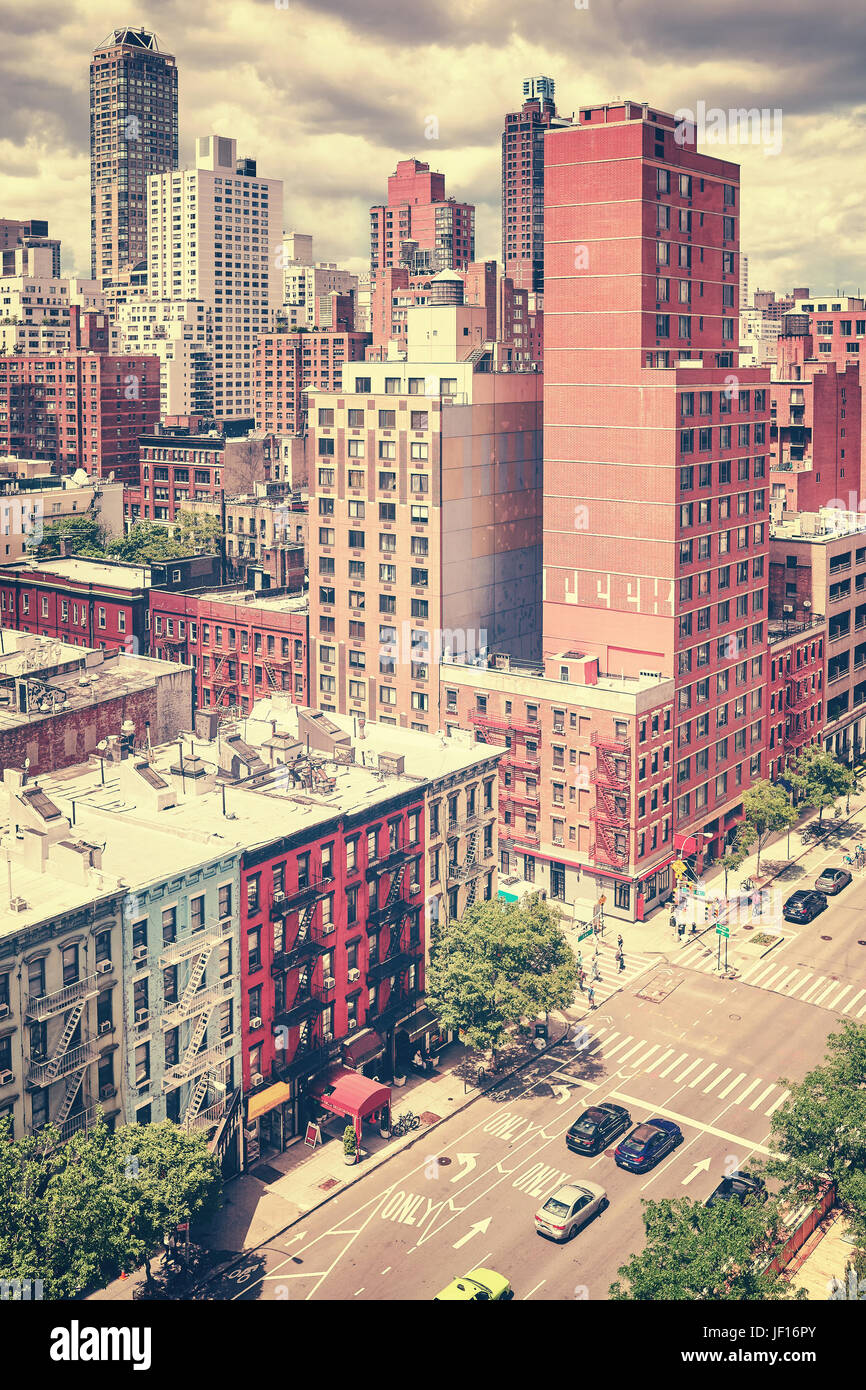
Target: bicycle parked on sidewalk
[[404, 1124]]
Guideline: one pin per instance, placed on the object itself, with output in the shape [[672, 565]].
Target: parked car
[[833, 880], [478, 1286], [739, 1187], [804, 905], [596, 1128], [647, 1144], [568, 1209]]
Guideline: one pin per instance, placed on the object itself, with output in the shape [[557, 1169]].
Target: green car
[[479, 1285]]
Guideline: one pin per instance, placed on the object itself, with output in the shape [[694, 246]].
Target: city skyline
[[334, 143]]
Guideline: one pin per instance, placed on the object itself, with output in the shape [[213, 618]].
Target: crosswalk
[[795, 982], [668, 1062], [611, 977]]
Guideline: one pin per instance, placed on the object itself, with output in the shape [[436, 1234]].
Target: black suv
[[596, 1128], [803, 905]]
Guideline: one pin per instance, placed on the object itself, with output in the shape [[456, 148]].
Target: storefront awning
[[350, 1093], [423, 1022], [362, 1047], [266, 1100]]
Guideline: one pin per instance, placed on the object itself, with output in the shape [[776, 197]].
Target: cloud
[[328, 96]]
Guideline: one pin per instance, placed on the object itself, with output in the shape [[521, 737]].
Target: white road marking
[[693, 1124], [682, 1057], [716, 1080], [821, 980], [706, 1071], [852, 1002], [690, 1067], [829, 990], [731, 1084], [361, 1290], [662, 1057], [637, 1047], [639, 1061], [749, 1088], [776, 1103], [763, 1096], [625, 1042], [834, 1002], [532, 1291], [387, 1270]]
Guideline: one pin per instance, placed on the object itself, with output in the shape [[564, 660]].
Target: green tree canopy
[[820, 779], [499, 963], [77, 1214], [767, 810], [717, 1253], [821, 1130], [86, 535]]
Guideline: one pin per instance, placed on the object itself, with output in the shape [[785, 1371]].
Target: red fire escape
[[611, 813]]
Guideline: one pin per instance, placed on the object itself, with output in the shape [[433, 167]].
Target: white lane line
[[386, 1270], [625, 1042], [716, 1080], [731, 1084], [776, 1103], [682, 1057], [706, 1071], [357, 1291], [692, 1124], [763, 1096], [747, 1091], [690, 1067], [662, 1057], [852, 1002], [532, 1291]]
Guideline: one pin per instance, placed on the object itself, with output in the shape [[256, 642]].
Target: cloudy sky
[[327, 96]]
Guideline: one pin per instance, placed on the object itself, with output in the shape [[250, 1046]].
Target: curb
[[414, 1138]]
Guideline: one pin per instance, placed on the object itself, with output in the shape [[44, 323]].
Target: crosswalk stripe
[[637, 1047], [731, 1084], [834, 1002], [776, 1103], [625, 1042], [787, 980], [639, 1061], [600, 1043], [684, 1074], [829, 990], [763, 1096], [822, 979], [663, 1056], [761, 975], [772, 980], [716, 1079], [706, 1071], [861, 1012], [751, 1086], [800, 983], [682, 1057]]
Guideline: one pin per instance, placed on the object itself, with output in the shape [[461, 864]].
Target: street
[[676, 1042]]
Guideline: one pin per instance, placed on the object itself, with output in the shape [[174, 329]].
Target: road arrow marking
[[701, 1167], [473, 1231], [564, 1094], [467, 1162]]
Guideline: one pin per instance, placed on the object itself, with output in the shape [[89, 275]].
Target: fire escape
[[611, 813], [275, 668], [516, 759], [224, 680], [201, 1065], [67, 1063], [798, 698], [313, 1048]]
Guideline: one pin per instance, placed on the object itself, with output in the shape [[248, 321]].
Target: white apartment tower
[[214, 235]]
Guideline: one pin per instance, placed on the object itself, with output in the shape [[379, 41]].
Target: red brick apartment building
[[182, 470], [243, 645], [81, 409], [798, 675], [418, 226], [656, 451], [291, 362], [523, 183]]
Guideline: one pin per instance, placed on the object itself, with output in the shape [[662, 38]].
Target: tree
[[709, 1253], [146, 541], [499, 963], [733, 857], [200, 533], [76, 1214], [820, 779], [821, 1130], [767, 810], [86, 535]]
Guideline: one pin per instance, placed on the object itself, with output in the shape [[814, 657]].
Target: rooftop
[[257, 598]]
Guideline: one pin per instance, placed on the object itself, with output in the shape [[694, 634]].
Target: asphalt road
[[705, 1052]]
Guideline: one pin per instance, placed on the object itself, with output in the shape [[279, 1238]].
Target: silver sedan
[[571, 1207]]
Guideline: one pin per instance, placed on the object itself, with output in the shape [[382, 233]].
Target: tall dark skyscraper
[[523, 183], [133, 133]]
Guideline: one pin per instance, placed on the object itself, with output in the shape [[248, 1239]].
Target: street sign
[[723, 931], [584, 935], [313, 1136]]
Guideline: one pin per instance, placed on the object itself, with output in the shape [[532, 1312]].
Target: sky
[[328, 96]]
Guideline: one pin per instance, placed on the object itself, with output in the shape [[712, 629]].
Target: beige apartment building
[[425, 516]]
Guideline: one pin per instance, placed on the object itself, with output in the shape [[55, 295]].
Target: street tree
[[497, 964], [820, 779], [767, 811], [718, 1253], [821, 1131], [84, 532]]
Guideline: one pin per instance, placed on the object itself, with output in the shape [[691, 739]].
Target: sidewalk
[[284, 1187], [826, 1260]]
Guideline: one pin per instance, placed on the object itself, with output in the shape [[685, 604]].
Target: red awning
[[350, 1093], [686, 844]]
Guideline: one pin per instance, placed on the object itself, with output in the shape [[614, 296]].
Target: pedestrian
[[596, 973], [621, 959], [619, 942], [581, 977], [673, 921], [579, 959], [591, 997], [681, 930]]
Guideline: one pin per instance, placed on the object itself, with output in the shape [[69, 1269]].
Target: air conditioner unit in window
[[105, 965], [107, 1091], [256, 1079], [353, 1023], [142, 1015], [354, 974], [255, 1023], [4, 1009], [6, 1077], [328, 1037], [414, 888], [139, 953], [279, 895], [105, 1026], [329, 982]]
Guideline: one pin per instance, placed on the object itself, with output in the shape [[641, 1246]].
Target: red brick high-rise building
[[656, 469], [418, 226]]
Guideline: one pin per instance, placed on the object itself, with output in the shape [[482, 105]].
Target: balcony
[[506, 723], [606, 817], [526, 799], [399, 1004], [600, 777], [191, 1006], [395, 961], [611, 744], [522, 762], [42, 1006], [602, 854], [294, 898], [196, 944], [391, 858], [306, 1005], [308, 1061], [44, 1073], [301, 951], [194, 1066]]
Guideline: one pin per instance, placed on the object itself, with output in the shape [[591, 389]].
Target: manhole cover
[[826, 938], [748, 926], [443, 1162], [329, 1183], [735, 1018]]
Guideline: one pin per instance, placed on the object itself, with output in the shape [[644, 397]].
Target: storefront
[[271, 1121], [351, 1096]]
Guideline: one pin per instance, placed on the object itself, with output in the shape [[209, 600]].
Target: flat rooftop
[[257, 598], [85, 570]]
